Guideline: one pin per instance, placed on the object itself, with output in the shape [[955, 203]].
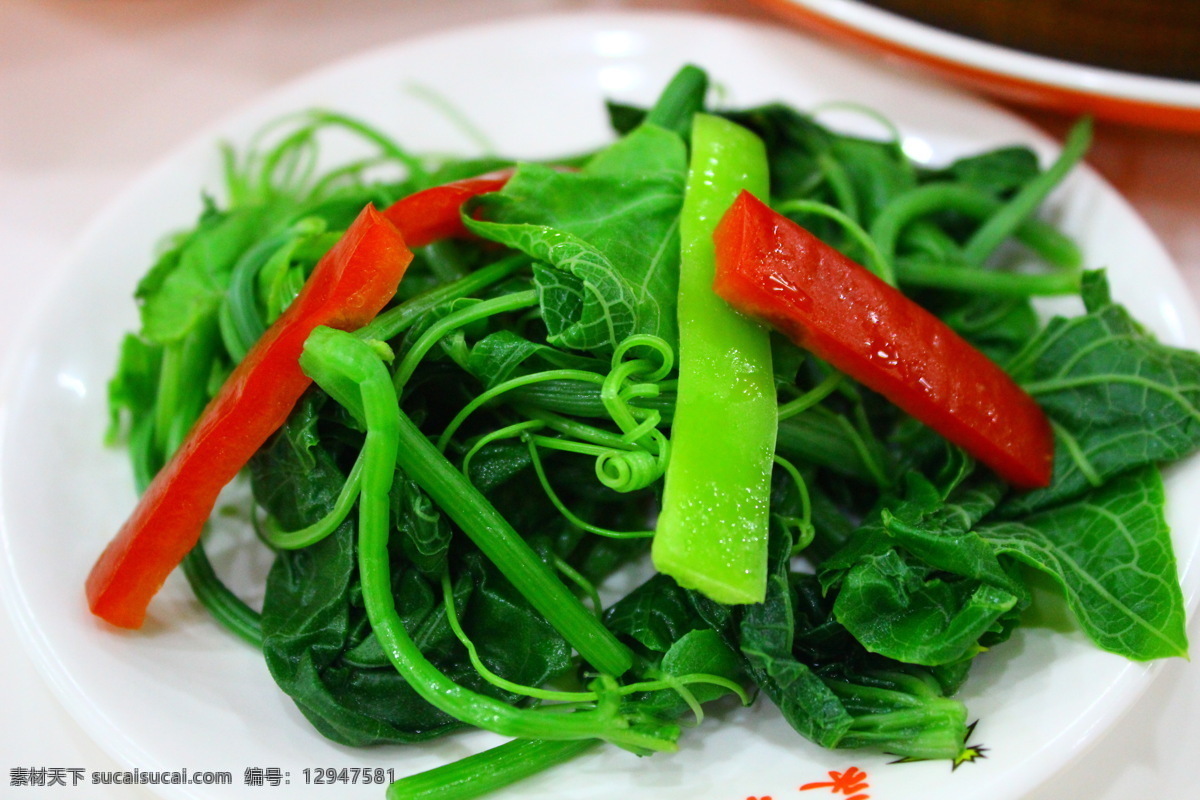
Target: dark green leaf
[[189, 284], [899, 609], [767, 632], [999, 171], [656, 614], [1118, 397], [609, 230], [1110, 551]]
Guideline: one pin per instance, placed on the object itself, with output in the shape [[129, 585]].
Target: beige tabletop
[[94, 92]]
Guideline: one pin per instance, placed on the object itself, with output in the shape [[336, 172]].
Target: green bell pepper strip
[[712, 531]]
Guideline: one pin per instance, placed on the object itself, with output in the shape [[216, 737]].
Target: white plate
[[1003, 71], [183, 694]]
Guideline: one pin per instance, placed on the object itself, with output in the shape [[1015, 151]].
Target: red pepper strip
[[347, 288], [771, 268], [436, 213]]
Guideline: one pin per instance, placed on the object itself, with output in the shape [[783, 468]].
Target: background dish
[[1025, 78], [150, 697]]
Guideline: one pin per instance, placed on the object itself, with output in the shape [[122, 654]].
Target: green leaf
[[586, 303], [1119, 399], [680, 101], [793, 141], [500, 355], [611, 232], [189, 284], [1110, 551], [833, 691], [877, 172], [656, 614], [999, 171], [317, 641], [767, 632], [998, 326], [131, 391], [702, 652], [935, 530], [901, 609], [916, 583], [424, 532]]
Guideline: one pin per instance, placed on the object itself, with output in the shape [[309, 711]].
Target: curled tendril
[[801, 528], [282, 158], [658, 348], [630, 470], [629, 459], [533, 442], [628, 380]]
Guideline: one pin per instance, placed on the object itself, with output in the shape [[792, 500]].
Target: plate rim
[[1005, 72]]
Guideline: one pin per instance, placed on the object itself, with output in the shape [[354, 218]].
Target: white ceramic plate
[[1006, 72], [182, 694]]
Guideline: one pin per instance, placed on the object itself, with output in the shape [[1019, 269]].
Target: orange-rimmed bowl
[[1023, 76]]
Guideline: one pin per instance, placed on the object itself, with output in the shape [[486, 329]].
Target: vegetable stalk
[[502, 545]]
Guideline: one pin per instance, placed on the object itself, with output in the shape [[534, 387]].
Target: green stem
[[963, 278], [387, 145], [485, 772], [839, 183], [186, 365], [821, 437], [508, 386], [227, 608], [242, 323], [493, 535], [311, 534], [905, 209], [391, 435], [826, 387], [1026, 201], [457, 319], [574, 429], [584, 400], [396, 320], [500, 682]]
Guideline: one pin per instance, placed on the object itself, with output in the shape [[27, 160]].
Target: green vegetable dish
[[555, 400]]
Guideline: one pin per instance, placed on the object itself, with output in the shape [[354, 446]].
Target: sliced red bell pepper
[[436, 213], [347, 288], [771, 268]]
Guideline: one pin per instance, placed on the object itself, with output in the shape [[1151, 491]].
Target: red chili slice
[[771, 268], [347, 288], [436, 213]]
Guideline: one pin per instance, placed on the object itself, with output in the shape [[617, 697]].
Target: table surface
[[93, 92]]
